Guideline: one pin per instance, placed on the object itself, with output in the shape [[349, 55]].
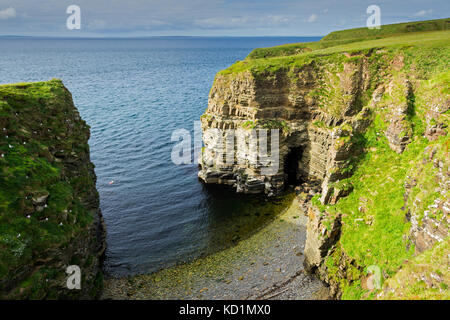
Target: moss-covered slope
[[49, 207], [424, 277]]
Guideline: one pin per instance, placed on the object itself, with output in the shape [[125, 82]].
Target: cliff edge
[[49, 206]]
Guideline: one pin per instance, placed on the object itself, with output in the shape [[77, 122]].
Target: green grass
[[347, 37], [425, 277], [375, 229], [390, 30], [258, 63]]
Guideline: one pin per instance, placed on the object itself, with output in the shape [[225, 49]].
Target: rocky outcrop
[[358, 122], [427, 271], [435, 118], [49, 203], [430, 222], [311, 127], [399, 130]]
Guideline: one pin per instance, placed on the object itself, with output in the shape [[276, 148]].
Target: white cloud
[[222, 22], [312, 18], [7, 13], [245, 21], [422, 13]]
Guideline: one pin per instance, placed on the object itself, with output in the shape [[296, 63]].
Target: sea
[[134, 93]]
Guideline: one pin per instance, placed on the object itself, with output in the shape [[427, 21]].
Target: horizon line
[[154, 36]]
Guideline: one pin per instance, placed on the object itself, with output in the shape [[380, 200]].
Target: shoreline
[[267, 265]]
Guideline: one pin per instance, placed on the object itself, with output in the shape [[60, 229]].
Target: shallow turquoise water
[[134, 93]]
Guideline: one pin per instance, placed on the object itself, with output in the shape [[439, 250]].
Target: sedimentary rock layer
[[288, 100]]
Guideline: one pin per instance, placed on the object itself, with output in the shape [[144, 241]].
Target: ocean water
[[134, 93]]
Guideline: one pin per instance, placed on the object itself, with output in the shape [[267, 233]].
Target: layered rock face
[[430, 222], [49, 205], [312, 129]]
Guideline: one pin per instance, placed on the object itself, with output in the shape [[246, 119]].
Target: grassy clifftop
[[49, 212], [390, 30], [397, 35]]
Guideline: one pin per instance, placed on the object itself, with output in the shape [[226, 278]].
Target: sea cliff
[[49, 206], [364, 114]]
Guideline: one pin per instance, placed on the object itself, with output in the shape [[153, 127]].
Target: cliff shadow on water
[[223, 219], [266, 263], [234, 217]]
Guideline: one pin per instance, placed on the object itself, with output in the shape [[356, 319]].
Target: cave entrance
[[291, 166]]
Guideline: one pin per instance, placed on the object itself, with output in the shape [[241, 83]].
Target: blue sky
[[207, 17]]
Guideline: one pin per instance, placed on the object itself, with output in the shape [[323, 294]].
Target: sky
[[137, 18]]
